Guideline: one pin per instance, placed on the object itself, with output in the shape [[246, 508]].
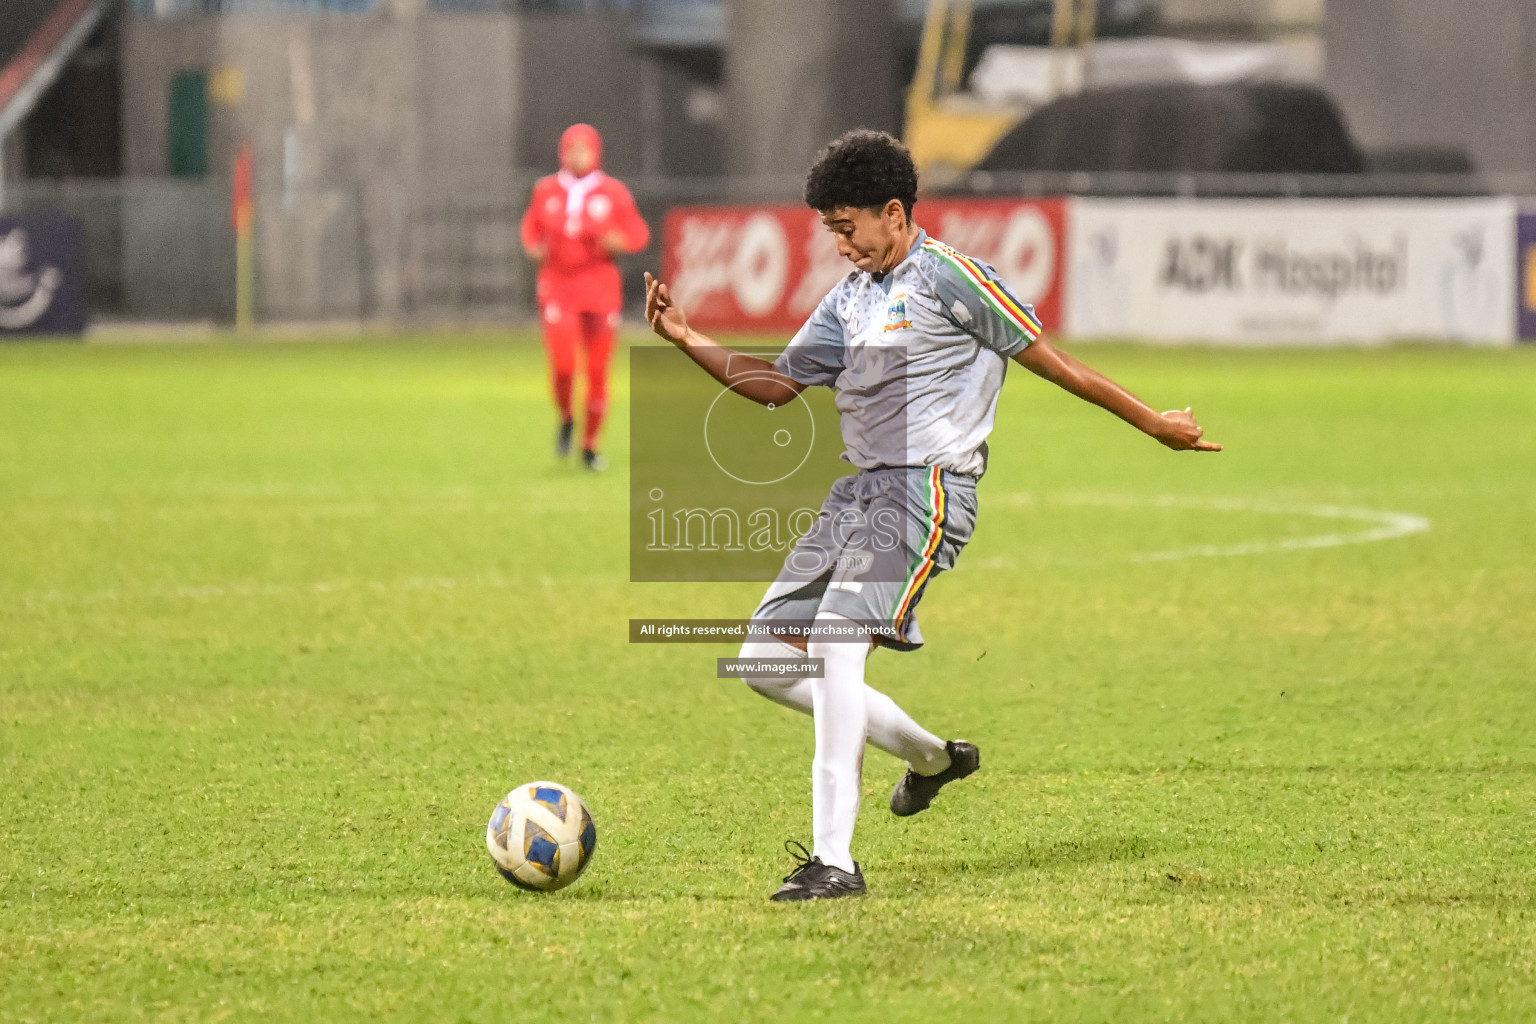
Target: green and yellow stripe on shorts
[[918, 574]]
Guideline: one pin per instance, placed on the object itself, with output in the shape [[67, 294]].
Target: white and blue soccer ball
[[541, 836]]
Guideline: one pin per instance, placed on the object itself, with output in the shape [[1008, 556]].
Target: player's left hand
[[615, 243], [1181, 433]]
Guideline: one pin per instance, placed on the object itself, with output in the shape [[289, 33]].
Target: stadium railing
[[1238, 185], [183, 8]]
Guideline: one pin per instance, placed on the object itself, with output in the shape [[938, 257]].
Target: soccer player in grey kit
[[915, 342]]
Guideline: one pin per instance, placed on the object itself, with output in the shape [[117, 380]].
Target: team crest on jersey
[[896, 313], [599, 207]]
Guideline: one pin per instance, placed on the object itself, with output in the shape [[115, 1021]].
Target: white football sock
[[889, 728], [791, 691], [841, 719], [895, 732]]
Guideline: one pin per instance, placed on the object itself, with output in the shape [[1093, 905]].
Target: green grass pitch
[[280, 622]]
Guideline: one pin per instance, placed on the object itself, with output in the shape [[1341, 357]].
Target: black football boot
[[813, 880], [915, 792]]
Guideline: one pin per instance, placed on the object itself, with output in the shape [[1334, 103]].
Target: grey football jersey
[[917, 358]]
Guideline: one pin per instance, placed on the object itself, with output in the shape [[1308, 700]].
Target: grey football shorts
[[882, 535]]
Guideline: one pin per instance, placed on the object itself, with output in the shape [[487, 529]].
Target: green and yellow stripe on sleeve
[[1016, 314]]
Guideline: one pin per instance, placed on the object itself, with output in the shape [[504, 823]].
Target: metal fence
[[163, 249], [154, 250], [182, 8], [463, 260]]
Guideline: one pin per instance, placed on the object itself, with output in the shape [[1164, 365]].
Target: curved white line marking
[[1383, 524]]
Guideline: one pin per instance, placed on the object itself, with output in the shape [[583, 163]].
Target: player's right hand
[[665, 316], [1181, 433]]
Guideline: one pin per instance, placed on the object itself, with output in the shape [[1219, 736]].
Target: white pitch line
[[1384, 524], [210, 592]]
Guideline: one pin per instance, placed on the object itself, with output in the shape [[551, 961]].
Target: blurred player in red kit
[[577, 221]]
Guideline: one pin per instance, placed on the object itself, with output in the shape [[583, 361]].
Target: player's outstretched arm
[[1176, 429], [748, 376]]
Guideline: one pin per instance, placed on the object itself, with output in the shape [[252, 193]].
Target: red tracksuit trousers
[[565, 333]]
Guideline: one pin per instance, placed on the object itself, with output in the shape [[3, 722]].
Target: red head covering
[[584, 133]]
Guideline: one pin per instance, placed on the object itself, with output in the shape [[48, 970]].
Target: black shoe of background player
[[593, 461], [813, 880], [915, 792], [563, 439]]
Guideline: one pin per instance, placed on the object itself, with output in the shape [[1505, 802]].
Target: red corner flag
[[240, 204]]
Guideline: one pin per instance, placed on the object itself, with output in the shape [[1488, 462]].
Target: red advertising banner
[[750, 268]]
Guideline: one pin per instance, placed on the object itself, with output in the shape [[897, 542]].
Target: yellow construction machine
[[948, 129]]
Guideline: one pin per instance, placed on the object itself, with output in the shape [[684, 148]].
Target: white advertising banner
[[1292, 271]]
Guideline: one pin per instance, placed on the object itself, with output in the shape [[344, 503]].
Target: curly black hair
[[864, 169]]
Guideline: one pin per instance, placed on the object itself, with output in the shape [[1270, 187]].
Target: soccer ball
[[541, 836]]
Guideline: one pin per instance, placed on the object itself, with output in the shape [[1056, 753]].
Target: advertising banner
[[1292, 271], [764, 268], [42, 274], [1525, 275]]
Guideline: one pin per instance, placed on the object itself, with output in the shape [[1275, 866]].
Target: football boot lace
[[802, 856]]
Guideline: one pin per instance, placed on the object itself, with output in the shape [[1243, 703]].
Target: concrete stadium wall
[[457, 98], [348, 118], [1453, 73], [801, 72], [358, 124], [579, 68]]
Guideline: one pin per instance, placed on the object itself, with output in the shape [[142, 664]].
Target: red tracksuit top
[[578, 273]]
